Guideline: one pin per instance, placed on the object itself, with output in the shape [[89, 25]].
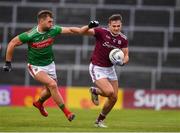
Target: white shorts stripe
[[31, 70], [93, 73]]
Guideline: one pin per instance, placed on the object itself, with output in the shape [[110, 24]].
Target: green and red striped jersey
[[40, 51]]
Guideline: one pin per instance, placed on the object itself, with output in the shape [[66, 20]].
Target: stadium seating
[[82, 77], [85, 57], [11, 0], [15, 31], [103, 14], [121, 2], [65, 56], [169, 81], [142, 80], [151, 18], [16, 79], [73, 16], [148, 59], [69, 40], [147, 39], [159, 2], [28, 14], [20, 55], [152, 28], [62, 76], [172, 60], [177, 18], [91, 40], [1, 34], [82, 1], [174, 42], [7, 14], [48, 1]]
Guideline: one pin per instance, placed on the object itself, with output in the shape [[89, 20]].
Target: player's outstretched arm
[[88, 29], [85, 30], [9, 53]]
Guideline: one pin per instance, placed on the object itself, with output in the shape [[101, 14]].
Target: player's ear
[[40, 21]]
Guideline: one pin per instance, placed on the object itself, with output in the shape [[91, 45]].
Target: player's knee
[[109, 93], [52, 85], [114, 98]]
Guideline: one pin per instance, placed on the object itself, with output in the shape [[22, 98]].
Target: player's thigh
[[44, 78], [115, 86], [104, 85]]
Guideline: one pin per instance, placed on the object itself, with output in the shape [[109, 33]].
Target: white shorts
[[49, 69], [98, 72]]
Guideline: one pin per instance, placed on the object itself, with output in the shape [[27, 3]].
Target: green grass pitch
[[24, 119]]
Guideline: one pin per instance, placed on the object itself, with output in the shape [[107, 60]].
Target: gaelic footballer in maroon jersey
[[101, 69], [105, 42]]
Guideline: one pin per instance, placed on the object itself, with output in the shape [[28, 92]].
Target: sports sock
[[40, 100], [64, 109], [101, 117], [94, 91]]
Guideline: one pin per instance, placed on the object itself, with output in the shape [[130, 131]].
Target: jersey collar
[[39, 31]]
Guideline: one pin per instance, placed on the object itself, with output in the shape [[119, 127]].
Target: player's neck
[[40, 30]]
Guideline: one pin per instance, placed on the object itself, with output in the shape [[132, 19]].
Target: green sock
[[61, 106], [64, 109], [41, 100]]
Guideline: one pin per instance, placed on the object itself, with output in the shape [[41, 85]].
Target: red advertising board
[[156, 99], [80, 98], [24, 96]]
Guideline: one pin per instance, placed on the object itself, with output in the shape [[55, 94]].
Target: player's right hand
[[7, 67], [119, 63], [93, 24]]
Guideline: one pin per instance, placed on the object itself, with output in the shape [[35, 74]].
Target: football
[[116, 55]]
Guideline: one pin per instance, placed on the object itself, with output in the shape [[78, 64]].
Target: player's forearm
[[126, 59], [10, 51], [11, 46], [74, 30], [82, 30], [88, 29], [85, 30]]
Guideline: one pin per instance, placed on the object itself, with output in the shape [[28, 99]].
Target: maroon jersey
[[105, 42]]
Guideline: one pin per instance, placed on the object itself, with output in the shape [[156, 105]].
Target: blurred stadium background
[[152, 27]]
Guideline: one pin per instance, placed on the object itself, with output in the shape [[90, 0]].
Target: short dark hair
[[115, 17], [44, 14]]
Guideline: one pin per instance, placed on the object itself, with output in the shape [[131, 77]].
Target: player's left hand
[[7, 67], [93, 24]]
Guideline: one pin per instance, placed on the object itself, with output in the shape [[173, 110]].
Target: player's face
[[46, 23], [115, 26]]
